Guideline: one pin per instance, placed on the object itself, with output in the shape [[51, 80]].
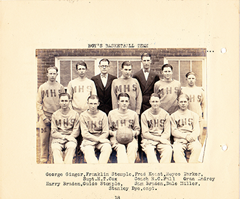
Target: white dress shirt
[[146, 73], [104, 79]]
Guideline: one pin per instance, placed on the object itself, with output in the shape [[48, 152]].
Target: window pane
[[113, 68], [65, 73], [184, 69], [197, 69], [136, 66], [90, 69], [175, 69], [119, 68]]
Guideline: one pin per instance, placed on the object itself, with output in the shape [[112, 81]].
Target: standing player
[[47, 104], [124, 118], [94, 128], [146, 78], [156, 132], [65, 128], [81, 88], [185, 131], [103, 83], [196, 98], [168, 89], [129, 85]]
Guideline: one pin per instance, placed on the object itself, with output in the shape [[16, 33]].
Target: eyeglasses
[[104, 66]]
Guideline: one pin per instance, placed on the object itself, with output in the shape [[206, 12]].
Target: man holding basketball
[[156, 132], [124, 129]]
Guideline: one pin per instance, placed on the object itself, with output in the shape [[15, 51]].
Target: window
[[181, 66], [67, 66]]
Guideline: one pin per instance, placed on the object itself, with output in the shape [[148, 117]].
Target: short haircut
[[167, 65], [82, 63], [123, 95], [52, 67], [155, 95], [93, 97], [126, 63], [190, 73], [104, 60], [146, 55], [183, 95], [64, 94]]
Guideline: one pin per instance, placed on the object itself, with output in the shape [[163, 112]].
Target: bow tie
[[146, 70], [103, 76]]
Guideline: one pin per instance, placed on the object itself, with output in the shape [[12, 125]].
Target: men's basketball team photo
[[131, 115]]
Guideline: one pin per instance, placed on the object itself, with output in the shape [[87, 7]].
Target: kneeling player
[[185, 130], [124, 129], [156, 132], [65, 128], [94, 128]]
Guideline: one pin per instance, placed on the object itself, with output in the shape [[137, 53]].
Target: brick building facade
[[47, 57]]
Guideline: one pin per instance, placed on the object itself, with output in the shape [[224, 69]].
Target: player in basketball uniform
[[196, 98], [155, 124], [124, 117], [129, 85], [47, 104], [169, 89], [65, 129], [185, 131], [81, 88], [95, 132]]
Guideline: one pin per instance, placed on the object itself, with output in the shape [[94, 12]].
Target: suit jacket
[[147, 87], [104, 93]]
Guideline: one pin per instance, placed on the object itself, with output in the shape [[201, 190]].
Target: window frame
[[96, 60], [204, 69]]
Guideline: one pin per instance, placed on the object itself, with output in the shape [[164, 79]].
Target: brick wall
[[46, 57]]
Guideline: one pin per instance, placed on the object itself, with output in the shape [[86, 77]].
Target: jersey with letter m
[[169, 92]]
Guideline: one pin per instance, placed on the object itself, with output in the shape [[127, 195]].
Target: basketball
[[124, 135]]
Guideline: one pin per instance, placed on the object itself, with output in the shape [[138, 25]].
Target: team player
[[124, 117], [103, 82], [129, 85], [65, 128], [94, 129], [81, 88], [168, 89], [196, 98], [155, 124], [146, 78], [185, 131], [47, 104]]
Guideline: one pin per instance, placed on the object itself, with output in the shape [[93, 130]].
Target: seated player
[[185, 131], [65, 128], [155, 124], [94, 128], [124, 129]]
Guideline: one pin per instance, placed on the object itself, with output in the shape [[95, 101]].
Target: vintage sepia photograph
[[119, 99], [168, 127]]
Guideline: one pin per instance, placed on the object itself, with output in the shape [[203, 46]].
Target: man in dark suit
[[103, 82], [146, 79]]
